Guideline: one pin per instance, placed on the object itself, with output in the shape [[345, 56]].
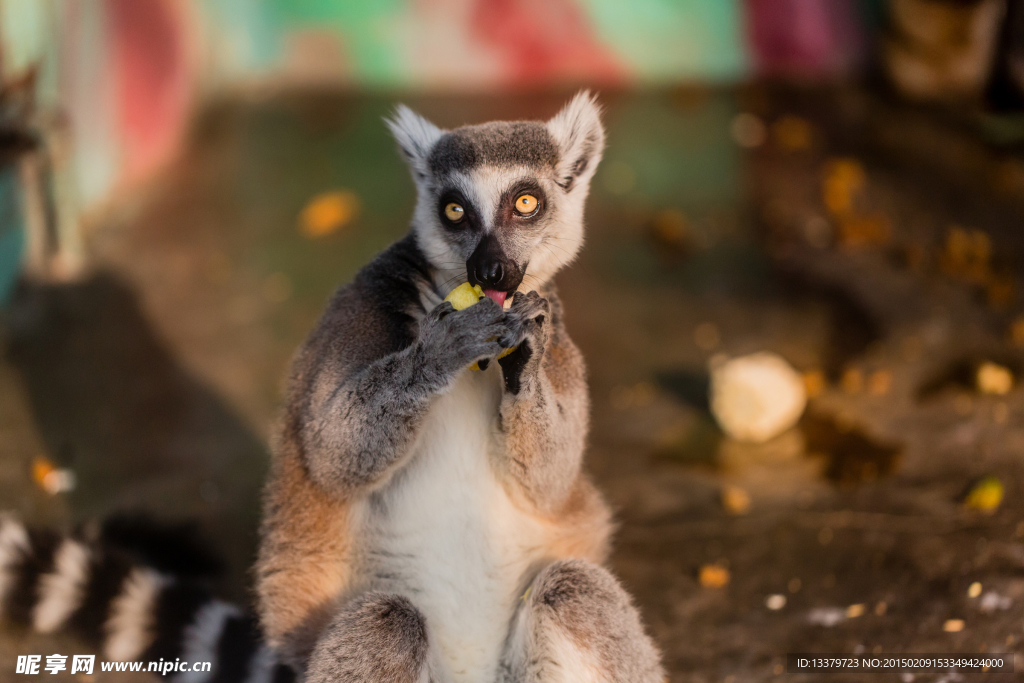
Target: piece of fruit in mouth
[[466, 295]]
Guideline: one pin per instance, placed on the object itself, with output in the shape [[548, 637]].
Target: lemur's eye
[[454, 212], [526, 204]]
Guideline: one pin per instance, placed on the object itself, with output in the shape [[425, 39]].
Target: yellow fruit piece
[[464, 296], [986, 495], [327, 212], [993, 378], [714, 576]]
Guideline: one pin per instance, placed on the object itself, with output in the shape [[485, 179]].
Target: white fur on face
[[544, 247], [548, 245]]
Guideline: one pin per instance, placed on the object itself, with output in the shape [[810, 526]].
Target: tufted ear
[[415, 136], [579, 135]]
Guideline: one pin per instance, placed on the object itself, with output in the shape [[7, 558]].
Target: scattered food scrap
[[985, 375], [953, 625], [51, 478], [992, 601], [985, 496], [775, 602], [826, 616], [993, 378], [756, 397], [714, 576]]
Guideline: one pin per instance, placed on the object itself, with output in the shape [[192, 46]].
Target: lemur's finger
[[483, 312], [484, 350], [441, 310], [530, 306], [512, 340]]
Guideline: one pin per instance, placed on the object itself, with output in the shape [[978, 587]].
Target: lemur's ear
[[415, 136], [579, 135]]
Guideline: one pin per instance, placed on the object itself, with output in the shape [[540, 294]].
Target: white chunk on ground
[[756, 397]]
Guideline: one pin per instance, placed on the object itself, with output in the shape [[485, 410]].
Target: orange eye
[[526, 204], [454, 212]]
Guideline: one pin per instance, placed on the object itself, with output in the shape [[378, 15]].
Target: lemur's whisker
[[548, 246]]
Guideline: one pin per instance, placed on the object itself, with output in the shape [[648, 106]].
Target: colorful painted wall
[[482, 43], [116, 81]]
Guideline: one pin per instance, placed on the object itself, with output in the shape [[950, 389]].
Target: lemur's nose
[[491, 268], [489, 273]]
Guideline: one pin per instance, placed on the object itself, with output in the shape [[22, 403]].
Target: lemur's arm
[[361, 402], [544, 411]]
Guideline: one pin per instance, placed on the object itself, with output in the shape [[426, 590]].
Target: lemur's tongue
[[499, 297]]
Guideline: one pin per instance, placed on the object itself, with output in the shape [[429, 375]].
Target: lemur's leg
[[575, 624], [356, 430], [377, 638], [544, 409]]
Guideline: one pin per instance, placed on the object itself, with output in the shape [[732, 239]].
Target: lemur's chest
[[447, 535]]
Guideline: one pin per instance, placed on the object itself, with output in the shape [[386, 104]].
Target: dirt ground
[[876, 246]]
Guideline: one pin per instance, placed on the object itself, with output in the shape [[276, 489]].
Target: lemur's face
[[501, 204]]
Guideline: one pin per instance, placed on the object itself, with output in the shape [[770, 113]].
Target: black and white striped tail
[[126, 610]]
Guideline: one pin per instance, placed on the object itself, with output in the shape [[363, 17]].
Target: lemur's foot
[[377, 638], [575, 616]]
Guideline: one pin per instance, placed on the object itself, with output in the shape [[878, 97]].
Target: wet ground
[[875, 246]]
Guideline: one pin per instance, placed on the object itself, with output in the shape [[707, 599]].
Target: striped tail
[[126, 610]]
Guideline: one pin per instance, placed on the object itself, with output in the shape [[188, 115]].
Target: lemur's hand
[[452, 340], [526, 321]]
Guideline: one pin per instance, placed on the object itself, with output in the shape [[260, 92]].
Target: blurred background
[[839, 183]]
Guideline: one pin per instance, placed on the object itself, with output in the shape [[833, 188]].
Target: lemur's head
[[502, 201]]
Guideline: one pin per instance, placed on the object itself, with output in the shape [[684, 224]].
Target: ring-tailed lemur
[[428, 523], [423, 522]]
